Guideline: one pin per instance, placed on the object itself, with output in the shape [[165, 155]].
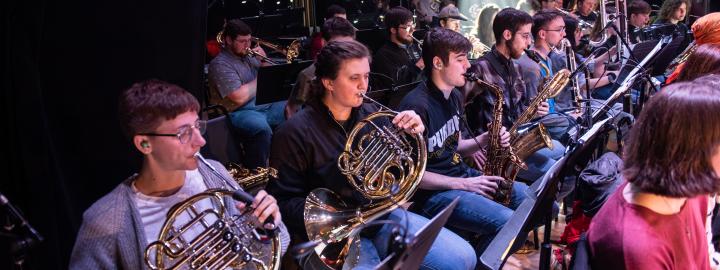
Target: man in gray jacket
[[162, 121]]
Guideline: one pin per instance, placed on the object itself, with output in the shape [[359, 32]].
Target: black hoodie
[[305, 151]]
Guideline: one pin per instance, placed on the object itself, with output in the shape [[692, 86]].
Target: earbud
[[145, 144]]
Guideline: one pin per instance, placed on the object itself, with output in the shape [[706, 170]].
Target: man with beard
[[232, 78], [397, 64], [512, 30]]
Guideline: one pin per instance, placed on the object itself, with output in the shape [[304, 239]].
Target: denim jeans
[[255, 125], [475, 213], [540, 162], [449, 251]]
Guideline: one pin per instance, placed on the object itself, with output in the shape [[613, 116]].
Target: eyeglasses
[[184, 133], [407, 27], [556, 30]]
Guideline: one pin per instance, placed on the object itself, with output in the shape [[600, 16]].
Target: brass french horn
[[382, 163], [206, 232]]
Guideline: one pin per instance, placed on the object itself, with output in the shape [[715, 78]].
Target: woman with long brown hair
[[655, 219]]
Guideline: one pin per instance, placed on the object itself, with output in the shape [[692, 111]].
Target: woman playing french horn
[[306, 149]]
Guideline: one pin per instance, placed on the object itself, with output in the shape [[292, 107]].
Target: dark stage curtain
[[64, 65]]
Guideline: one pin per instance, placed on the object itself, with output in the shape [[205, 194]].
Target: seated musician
[[585, 10], [398, 59], [511, 28], [706, 30], [638, 17], [655, 219], [306, 149], [548, 30], [161, 120], [450, 18], [439, 104], [333, 29], [601, 79], [674, 12], [233, 84]]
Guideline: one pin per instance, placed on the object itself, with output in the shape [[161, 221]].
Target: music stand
[[274, 83], [538, 205], [415, 252]]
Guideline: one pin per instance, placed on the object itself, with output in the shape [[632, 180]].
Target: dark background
[[64, 65]]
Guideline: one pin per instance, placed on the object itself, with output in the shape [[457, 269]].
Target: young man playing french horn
[[161, 119]]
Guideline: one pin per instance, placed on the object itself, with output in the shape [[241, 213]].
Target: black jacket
[[495, 69], [305, 151], [397, 63]]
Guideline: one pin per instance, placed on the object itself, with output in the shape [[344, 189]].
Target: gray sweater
[[112, 234]]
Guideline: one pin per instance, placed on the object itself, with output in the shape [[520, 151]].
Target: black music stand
[[413, 255], [274, 83], [538, 205]]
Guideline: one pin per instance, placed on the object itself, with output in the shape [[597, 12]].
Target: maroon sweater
[[628, 236]]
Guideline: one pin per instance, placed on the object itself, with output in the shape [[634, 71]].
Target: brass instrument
[[551, 88], [526, 142], [582, 24], [385, 165], [206, 232], [602, 20], [250, 52], [682, 58], [250, 180], [496, 155], [572, 66], [478, 48], [290, 52]]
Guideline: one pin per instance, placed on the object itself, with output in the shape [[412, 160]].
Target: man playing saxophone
[[306, 150], [439, 104], [161, 119], [512, 30], [540, 63]]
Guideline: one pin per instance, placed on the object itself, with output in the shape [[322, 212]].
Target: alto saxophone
[[527, 142], [497, 156]]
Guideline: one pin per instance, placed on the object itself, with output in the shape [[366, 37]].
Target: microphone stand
[[24, 237]]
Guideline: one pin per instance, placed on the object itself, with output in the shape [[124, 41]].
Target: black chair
[[221, 137]]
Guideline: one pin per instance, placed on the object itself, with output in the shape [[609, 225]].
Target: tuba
[[382, 163], [202, 232], [496, 155]]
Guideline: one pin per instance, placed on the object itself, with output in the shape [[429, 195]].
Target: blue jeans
[[449, 251], [540, 162], [255, 124], [475, 213]]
